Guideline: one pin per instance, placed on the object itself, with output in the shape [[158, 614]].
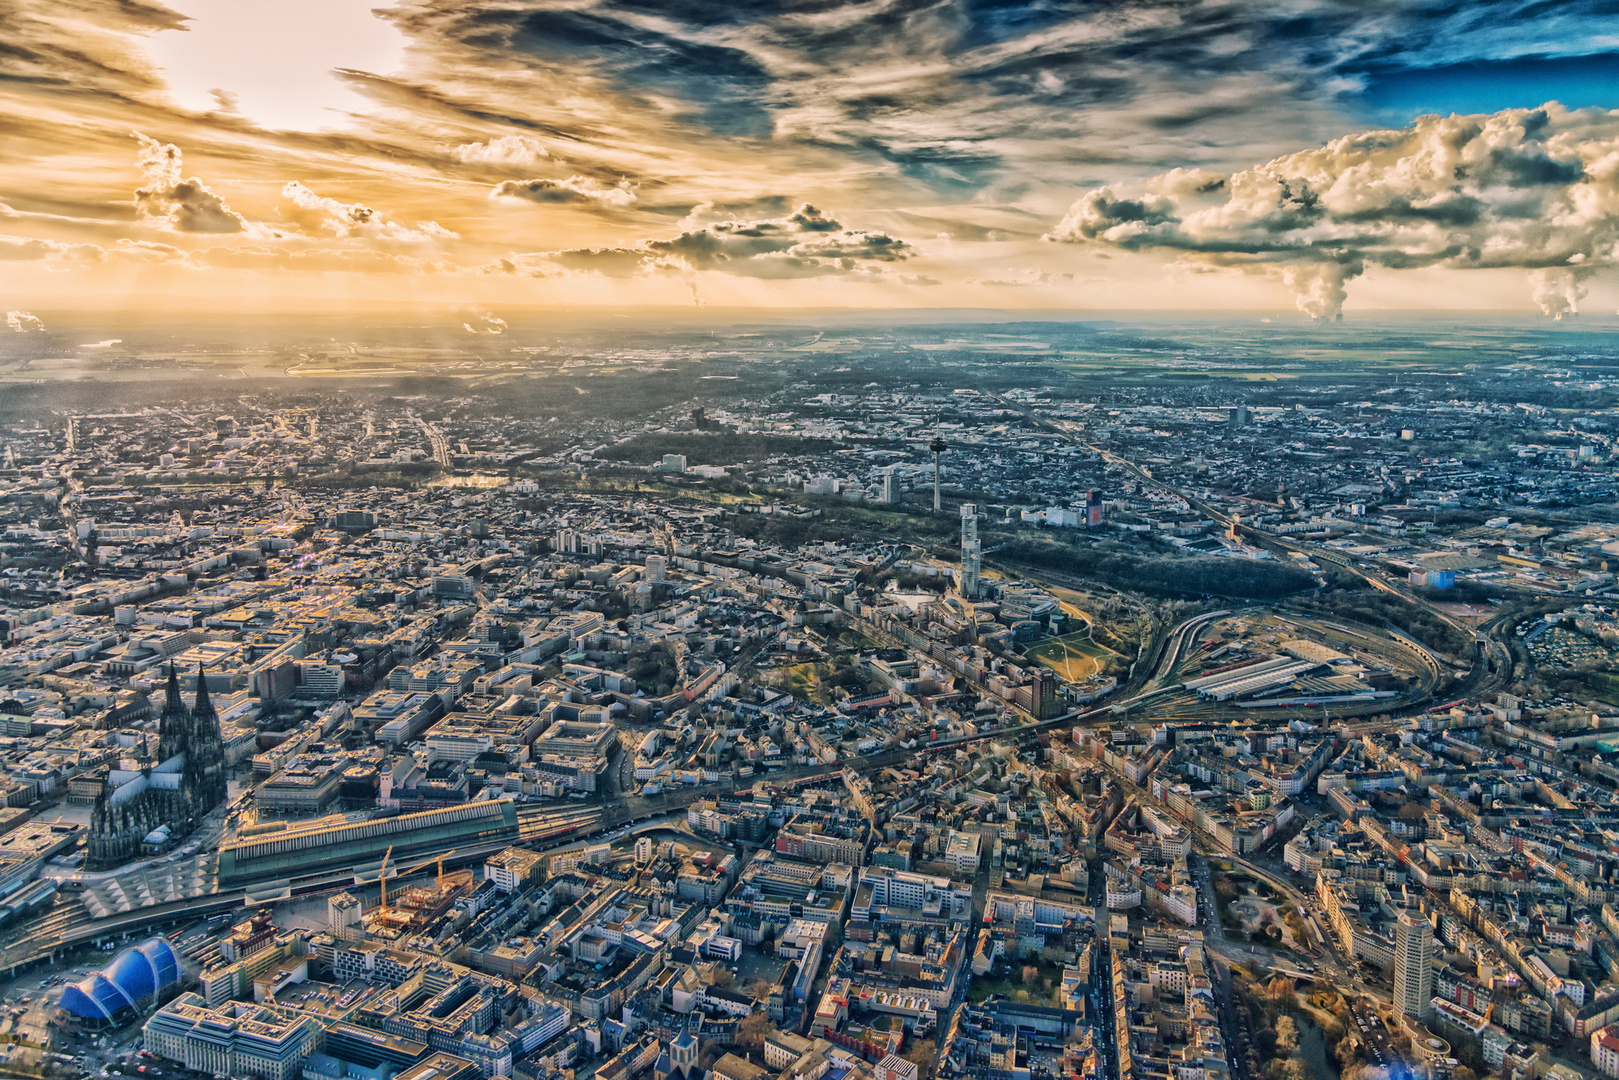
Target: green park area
[[1075, 656]]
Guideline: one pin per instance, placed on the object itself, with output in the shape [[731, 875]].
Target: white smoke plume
[[1557, 292], [1531, 188], [1318, 288], [488, 324], [24, 322]]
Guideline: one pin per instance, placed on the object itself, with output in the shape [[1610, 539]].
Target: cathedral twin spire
[[191, 734]]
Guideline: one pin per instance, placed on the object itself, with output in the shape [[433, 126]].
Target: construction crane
[[439, 880], [382, 879], [382, 874]]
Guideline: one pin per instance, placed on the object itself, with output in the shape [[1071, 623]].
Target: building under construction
[[404, 911]]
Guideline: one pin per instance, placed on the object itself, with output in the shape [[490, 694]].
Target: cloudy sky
[[1092, 154]]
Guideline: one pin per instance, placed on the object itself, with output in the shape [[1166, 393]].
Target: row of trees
[[1380, 609], [1121, 567]]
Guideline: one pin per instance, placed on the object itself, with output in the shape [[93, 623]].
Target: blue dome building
[[149, 968]]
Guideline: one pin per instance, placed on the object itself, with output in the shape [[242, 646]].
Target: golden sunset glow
[[262, 155]]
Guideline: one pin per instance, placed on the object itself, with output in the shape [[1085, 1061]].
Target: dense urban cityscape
[[1225, 700]]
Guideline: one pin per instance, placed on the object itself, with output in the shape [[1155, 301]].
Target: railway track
[[69, 924]]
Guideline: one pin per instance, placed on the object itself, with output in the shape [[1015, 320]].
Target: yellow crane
[[382, 873], [441, 858], [382, 879]]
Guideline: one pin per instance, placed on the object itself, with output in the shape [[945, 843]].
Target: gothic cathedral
[[187, 781]]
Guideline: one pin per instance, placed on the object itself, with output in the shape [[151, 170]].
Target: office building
[[1413, 965], [515, 869], [1093, 509], [972, 553], [238, 1039]]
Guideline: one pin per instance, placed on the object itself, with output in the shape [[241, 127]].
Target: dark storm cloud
[[576, 190]]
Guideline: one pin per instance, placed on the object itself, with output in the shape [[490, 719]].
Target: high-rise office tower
[[1093, 509], [1413, 965], [972, 554]]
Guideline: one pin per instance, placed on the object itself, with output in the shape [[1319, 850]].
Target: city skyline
[[809, 540], [276, 157]]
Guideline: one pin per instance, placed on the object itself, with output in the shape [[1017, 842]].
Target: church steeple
[[203, 709], [206, 781], [683, 1052], [174, 723]]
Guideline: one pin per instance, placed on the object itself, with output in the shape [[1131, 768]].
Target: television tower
[[938, 447]]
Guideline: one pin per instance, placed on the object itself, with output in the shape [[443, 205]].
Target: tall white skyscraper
[[890, 487], [972, 554], [1413, 965]]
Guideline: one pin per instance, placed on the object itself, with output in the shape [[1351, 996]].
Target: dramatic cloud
[[917, 97], [185, 205], [328, 217], [510, 150], [24, 248], [575, 189], [805, 243], [973, 125], [24, 322], [1531, 188]]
